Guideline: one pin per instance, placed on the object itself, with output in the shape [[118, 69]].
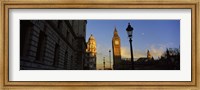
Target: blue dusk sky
[[152, 35]]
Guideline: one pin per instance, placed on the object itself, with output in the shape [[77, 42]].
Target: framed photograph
[[100, 44]]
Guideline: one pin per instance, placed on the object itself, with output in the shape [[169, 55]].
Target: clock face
[[116, 42]]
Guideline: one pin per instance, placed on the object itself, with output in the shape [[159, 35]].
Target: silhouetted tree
[[171, 52], [171, 58]]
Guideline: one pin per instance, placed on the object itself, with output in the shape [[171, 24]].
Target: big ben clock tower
[[116, 50]]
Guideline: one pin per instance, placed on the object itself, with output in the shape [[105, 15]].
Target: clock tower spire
[[116, 46]]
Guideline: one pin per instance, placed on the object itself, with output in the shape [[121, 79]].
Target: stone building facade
[[91, 51], [52, 44]]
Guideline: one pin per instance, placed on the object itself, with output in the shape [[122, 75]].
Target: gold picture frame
[[110, 4]]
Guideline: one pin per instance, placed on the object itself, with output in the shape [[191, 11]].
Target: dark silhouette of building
[[146, 59], [52, 44], [170, 60]]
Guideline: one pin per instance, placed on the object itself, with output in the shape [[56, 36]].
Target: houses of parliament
[[118, 62], [170, 60]]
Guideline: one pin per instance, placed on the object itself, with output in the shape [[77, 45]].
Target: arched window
[[56, 55]]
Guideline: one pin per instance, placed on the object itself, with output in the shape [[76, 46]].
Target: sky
[[152, 35]]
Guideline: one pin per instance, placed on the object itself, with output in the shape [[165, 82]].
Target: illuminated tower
[[116, 50], [149, 57], [91, 53]]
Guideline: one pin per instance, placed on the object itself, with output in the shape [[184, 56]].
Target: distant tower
[[91, 53], [116, 50], [149, 57]]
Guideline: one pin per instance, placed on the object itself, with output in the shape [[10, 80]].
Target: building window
[[25, 30], [67, 35], [59, 27], [66, 60], [41, 46], [72, 23], [72, 41], [71, 58], [84, 28], [59, 24], [56, 55]]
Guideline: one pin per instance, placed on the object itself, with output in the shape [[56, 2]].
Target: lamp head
[[129, 30]]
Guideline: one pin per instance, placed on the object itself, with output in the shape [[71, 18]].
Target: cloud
[[156, 51], [125, 53], [142, 33]]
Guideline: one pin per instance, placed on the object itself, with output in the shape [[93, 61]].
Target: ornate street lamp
[[129, 30]]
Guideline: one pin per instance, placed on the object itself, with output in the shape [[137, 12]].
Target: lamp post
[[129, 30]]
